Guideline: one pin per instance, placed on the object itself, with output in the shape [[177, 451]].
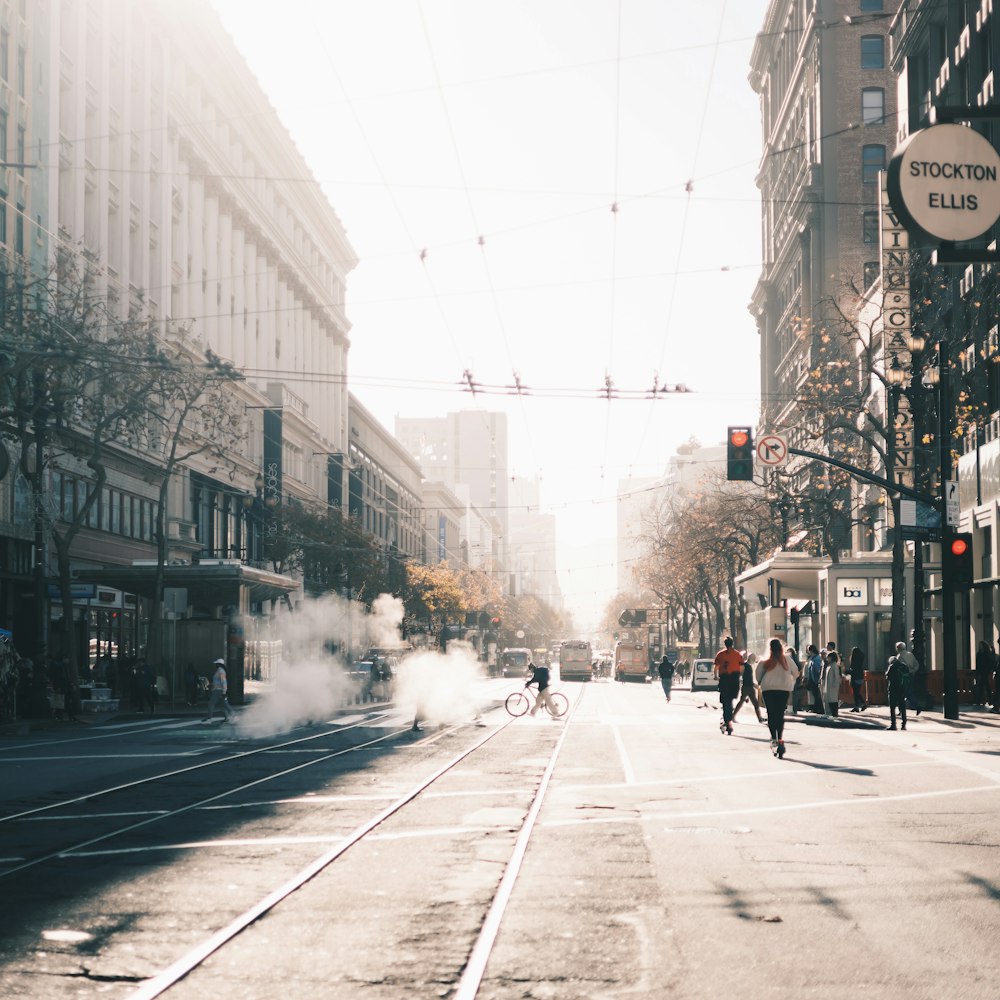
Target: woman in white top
[[776, 677], [830, 685]]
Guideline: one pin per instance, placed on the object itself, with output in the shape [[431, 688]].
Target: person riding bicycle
[[539, 676]]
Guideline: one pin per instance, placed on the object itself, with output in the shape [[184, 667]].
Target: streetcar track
[[69, 851], [185, 770], [471, 975]]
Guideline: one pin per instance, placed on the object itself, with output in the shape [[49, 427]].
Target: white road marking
[[62, 759], [700, 779], [626, 763], [853, 801], [115, 815]]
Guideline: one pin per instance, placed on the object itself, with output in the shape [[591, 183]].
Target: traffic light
[[739, 454], [958, 560]]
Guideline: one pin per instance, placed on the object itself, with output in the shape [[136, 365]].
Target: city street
[[664, 859]]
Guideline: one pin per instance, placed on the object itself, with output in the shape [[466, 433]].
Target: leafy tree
[[433, 593], [695, 545]]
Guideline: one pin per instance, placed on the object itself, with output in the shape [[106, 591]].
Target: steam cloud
[[310, 682]]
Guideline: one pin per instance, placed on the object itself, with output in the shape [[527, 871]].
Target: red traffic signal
[[957, 561], [739, 454]]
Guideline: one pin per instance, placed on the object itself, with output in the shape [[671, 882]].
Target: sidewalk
[[877, 717]]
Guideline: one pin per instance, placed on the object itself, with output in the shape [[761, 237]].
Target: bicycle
[[518, 702]]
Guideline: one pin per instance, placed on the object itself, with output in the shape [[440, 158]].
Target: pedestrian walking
[[795, 698], [897, 680], [217, 695], [748, 689], [728, 668], [830, 684], [916, 689], [776, 676], [814, 673], [982, 685], [856, 670], [666, 672]]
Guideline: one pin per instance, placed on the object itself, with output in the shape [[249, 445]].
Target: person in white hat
[[217, 695]]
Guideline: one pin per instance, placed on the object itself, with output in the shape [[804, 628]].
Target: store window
[[852, 630]]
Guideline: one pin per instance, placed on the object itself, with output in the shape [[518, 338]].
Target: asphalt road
[[666, 860]]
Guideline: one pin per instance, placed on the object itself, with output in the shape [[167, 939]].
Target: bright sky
[[474, 151]]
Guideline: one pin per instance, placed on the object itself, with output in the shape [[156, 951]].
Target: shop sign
[[851, 593], [883, 592]]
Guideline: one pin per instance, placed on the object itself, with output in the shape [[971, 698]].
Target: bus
[[631, 660], [575, 660]]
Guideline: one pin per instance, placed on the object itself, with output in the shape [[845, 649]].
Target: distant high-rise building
[[464, 448]]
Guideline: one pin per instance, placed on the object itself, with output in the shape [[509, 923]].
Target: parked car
[[703, 676]]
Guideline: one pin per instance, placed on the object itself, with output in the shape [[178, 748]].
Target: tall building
[[945, 56], [464, 448], [828, 115], [829, 122], [532, 544], [137, 143]]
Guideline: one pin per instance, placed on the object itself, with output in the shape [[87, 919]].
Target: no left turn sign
[[772, 450]]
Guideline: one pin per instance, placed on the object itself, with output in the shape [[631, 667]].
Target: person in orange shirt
[[728, 670]]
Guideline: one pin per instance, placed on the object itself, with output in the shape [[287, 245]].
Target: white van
[[703, 676]]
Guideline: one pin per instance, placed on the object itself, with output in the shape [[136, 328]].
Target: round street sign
[[772, 450], [945, 180]]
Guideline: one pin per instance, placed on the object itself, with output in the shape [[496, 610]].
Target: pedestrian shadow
[[989, 888], [861, 772]]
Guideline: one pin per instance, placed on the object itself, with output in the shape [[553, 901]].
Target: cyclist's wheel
[[517, 703], [558, 705]]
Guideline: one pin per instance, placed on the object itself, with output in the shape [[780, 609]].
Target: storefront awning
[[797, 573], [209, 582]]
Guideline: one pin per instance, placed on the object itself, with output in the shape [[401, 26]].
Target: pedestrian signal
[[739, 454], [958, 560]]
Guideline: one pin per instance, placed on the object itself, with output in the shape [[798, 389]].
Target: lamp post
[[256, 508]]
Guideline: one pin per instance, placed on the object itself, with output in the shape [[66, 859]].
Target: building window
[[872, 52], [872, 161], [21, 78], [871, 272], [3, 136], [869, 227], [4, 57], [871, 5], [873, 106]]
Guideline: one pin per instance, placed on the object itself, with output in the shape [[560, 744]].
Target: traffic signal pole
[[949, 636]]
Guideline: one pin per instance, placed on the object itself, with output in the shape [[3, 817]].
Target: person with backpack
[[916, 687], [897, 679]]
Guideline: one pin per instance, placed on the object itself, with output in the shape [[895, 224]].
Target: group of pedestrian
[[823, 674]]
